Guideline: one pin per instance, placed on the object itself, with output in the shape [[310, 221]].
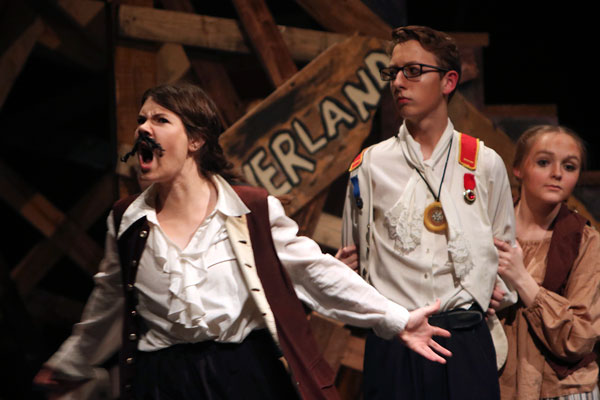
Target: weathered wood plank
[[331, 338], [355, 353], [224, 34], [266, 40], [172, 64], [213, 33], [211, 74], [328, 231], [347, 16], [213, 78], [306, 133], [134, 73]]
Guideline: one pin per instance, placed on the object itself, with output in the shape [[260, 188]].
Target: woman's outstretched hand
[[418, 334]]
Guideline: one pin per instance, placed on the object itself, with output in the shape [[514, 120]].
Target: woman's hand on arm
[[349, 256], [512, 269]]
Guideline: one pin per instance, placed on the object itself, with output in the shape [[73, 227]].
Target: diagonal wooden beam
[[346, 16], [50, 221], [266, 40], [211, 75], [77, 30], [79, 44], [42, 257], [14, 53]]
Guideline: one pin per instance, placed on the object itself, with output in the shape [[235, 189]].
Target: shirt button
[[426, 275]]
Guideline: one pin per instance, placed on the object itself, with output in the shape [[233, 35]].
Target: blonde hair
[[526, 140]]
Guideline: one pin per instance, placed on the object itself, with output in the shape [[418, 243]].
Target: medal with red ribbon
[[469, 193]]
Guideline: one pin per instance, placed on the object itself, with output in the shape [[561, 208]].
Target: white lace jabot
[[404, 220]]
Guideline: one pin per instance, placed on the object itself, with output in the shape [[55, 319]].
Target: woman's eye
[[542, 162], [141, 120], [163, 120], [570, 167]]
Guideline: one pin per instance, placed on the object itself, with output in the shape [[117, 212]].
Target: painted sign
[[306, 133]]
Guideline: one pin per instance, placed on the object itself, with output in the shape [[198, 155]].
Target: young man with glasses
[[422, 209]]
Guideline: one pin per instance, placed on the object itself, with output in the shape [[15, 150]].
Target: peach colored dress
[[568, 326]]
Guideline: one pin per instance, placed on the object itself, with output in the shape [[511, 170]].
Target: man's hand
[[418, 334], [349, 256]]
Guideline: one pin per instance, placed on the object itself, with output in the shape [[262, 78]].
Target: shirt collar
[[228, 204], [439, 152]]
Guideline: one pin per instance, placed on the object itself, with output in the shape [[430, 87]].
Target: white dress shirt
[[406, 262], [197, 293]]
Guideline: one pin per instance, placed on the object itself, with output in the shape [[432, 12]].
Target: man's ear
[[449, 82]]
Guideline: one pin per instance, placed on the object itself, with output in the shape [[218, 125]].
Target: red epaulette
[[468, 147], [357, 161]]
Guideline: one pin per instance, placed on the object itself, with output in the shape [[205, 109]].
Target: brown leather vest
[[564, 249], [313, 376]]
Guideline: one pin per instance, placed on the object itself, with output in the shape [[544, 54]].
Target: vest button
[[134, 263], [132, 336], [129, 360], [133, 313], [128, 387], [143, 233], [129, 287]]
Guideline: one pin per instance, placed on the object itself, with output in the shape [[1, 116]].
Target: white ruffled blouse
[[197, 293]]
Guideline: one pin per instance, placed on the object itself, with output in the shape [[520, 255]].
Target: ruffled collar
[[228, 203], [186, 267]]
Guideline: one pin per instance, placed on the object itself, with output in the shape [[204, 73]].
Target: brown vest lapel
[[314, 376], [564, 249]]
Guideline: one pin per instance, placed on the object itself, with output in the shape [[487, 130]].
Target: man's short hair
[[440, 44]]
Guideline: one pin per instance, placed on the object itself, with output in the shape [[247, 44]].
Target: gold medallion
[[434, 218]]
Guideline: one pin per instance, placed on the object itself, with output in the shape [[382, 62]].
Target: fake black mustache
[[144, 143]]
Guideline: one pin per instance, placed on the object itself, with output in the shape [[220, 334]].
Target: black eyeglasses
[[409, 71]]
